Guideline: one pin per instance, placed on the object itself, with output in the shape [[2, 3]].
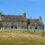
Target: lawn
[[21, 38]]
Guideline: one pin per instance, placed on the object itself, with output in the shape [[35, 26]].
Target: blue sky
[[33, 8]]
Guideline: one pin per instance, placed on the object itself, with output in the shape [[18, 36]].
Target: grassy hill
[[21, 38]]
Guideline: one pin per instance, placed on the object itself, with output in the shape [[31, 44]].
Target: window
[[36, 27], [15, 27], [11, 26], [23, 27]]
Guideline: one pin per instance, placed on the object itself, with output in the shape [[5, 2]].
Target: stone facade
[[20, 22]]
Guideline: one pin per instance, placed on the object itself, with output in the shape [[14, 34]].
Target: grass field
[[21, 38]]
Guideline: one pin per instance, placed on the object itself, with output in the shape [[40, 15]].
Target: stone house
[[20, 22]]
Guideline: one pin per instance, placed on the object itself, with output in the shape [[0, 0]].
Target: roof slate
[[11, 18]]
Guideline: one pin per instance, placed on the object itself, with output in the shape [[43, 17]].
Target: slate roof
[[35, 22], [11, 18]]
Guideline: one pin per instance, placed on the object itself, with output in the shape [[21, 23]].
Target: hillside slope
[[20, 38]]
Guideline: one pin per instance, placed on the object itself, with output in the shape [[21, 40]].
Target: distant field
[[21, 38]]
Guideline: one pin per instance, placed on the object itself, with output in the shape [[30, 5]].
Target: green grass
[[21, 38]]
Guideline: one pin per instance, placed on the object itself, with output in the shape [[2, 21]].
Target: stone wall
[[14, 25]]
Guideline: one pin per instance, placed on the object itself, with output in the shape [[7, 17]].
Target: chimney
[[40, 18], [24, 14]]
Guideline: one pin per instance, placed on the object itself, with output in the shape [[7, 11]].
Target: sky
[[33, 8]]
